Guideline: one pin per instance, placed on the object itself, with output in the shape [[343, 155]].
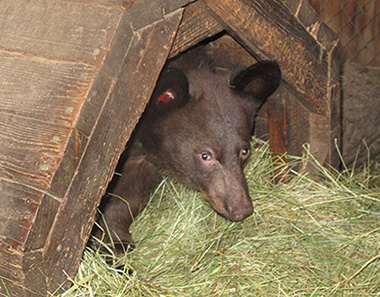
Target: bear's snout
[[241, 212], [234, 209], [228, 195]]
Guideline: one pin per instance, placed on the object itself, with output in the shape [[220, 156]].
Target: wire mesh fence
[[357, 23]]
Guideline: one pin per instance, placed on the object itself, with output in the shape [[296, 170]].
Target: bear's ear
[[259, 80], [171, 92]]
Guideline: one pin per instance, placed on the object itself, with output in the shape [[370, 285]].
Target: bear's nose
[[238, 217], [241, 214]]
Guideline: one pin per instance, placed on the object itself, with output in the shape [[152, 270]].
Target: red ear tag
[[166, 96]]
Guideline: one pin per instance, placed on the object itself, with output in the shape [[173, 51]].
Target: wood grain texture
[[30, 151], [11, 287], [45, 90], [34, 27], [62, 178], [117, 3], [26, 216], [42, 223], [61, 130], [144, 60], [196, 26], [19, 207], [171, 5], [298, 124], [278, 131], [270, 31], [277, 123]]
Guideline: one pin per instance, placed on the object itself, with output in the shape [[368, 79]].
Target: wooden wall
[[69, 100]]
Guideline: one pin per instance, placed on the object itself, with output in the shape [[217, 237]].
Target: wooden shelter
[[75, 76]]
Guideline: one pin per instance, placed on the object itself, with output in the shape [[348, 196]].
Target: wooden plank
[[73, 153], [30, 151], [42, 224], [35, 280], [171, 5], [144, 12], [277, 123], [26, 216], [45, 90], [270, 31], [144, 60], [119, 46], [41, 100], [8, 286], [95, 98], [196, 26], [117, 3], [297, 116], [277, 130], [321, 146], [10, 263], [286, 117], [14, 284], [336, 141], [19, 207], [84, 35], [22, 276], [10, 283]]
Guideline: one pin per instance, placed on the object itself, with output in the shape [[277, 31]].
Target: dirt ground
[[360, 114]]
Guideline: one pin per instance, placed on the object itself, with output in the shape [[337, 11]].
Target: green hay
[[317, 235]]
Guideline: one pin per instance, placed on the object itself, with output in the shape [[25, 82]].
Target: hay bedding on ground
[[317, 235]]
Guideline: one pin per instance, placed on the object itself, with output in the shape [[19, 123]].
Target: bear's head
[[197, 130]]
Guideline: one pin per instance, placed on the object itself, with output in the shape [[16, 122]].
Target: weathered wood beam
[[46, 30], [196, 26], [277, 130], [143, 62]]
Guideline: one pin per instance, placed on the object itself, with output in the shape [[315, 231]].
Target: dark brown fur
[[200, 137]]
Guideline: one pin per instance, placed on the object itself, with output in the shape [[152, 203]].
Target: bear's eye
[[244, 152], [206, 156]]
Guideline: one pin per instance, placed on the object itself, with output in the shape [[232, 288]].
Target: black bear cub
[[196, 129]]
